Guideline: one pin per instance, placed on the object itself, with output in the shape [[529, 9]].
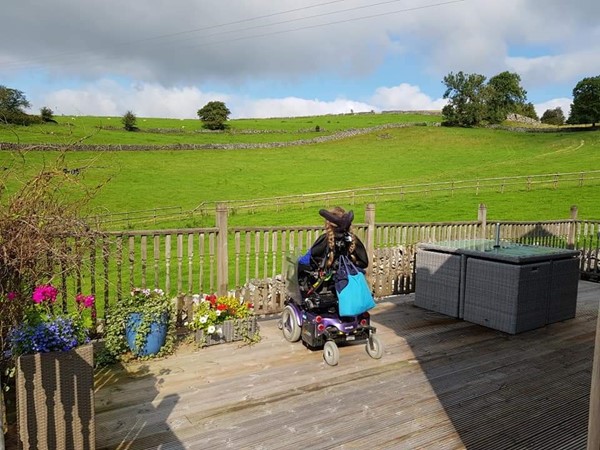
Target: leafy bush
[[553, 116], [214, 115], [129, 121], [47, 115]]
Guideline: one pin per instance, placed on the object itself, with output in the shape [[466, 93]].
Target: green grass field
[[417, 154]]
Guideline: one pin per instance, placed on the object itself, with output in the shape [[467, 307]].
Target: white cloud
[[564, 103], [295, 107], [405, 97], [108, 98], [557, 68]]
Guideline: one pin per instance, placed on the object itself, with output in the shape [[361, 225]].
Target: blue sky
[[287, 58]]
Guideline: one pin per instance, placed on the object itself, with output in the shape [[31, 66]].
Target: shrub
[[129, 121]]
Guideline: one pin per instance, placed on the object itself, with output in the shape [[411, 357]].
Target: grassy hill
[[395, 156]]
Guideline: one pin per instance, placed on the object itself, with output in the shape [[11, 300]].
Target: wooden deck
[[441, 384]]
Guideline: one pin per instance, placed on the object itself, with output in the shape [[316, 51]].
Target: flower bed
[[229, 331], [217, 320]]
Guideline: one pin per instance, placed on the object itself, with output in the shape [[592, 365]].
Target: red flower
[[212, 299], [221, 307]]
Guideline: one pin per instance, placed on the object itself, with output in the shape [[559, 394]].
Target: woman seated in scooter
[[317, 266]]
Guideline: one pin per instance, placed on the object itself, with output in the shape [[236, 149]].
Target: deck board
[[442, 383]]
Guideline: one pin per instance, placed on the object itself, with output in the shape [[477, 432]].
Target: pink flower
[[85, 301], [88, 302], [45, 292], [11, 296]]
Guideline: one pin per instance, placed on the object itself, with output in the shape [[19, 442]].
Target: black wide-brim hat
[[343, 223]]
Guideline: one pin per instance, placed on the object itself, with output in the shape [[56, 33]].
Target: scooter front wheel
[[331, 353], [374, 347]]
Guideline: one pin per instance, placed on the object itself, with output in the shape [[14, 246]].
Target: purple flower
[[11, 296]]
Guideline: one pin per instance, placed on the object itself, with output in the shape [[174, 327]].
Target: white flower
[[185, 323], [203, 319], [218, 312], [195, 299], [211, 329], [220, 331], [159, 292]]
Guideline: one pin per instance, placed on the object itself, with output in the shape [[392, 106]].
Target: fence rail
[[250, 261], [352, 196]]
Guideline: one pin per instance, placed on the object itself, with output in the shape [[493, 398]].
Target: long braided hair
[[330, 233]]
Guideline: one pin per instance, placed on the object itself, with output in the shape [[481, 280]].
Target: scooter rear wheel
[[289, 325]]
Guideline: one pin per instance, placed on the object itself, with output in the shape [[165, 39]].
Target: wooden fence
[[249, 262]]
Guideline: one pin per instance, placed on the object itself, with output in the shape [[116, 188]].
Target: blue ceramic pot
[[154, 340]]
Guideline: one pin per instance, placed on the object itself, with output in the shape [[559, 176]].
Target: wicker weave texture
[[507, 297], [563, 290], [55, 400], [437, 282]]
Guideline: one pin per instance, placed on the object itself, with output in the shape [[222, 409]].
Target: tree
[[472, 101], [129, 119], [586, 102], [47, 114], [214, 115], [12, 100], [553, 116], [503, 95], [12, 105], [527, 110], [466, 106]]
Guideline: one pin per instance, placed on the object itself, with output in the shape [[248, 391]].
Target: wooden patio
[[441, 384]]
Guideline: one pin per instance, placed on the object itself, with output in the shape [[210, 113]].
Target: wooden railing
[[249, 262]]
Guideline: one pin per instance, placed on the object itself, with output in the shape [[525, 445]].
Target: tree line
[[473, 100]]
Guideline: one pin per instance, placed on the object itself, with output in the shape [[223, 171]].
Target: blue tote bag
[[354, 294]]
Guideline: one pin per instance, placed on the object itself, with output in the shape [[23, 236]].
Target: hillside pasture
[[142, 180]]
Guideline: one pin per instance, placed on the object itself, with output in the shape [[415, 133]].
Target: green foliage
[[473, 102], [553, 116], [211, 311], [46, 114], [152, 305], [129, 121], [503, 94], [12, 100], [466, 94], [527, 110], [586, 102], [214, 115]]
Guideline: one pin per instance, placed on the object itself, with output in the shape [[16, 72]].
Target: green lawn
[[417, 154]]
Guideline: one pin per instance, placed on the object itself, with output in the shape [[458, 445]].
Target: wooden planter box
[[55, 400], [231, 330]]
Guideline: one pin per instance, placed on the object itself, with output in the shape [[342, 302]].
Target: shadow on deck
[[442, 383]]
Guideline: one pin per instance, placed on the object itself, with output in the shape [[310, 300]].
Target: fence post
[[482, 219], [222, 253], [572, 228], [593, 441], [370, 237]]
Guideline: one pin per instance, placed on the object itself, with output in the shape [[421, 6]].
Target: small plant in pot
[[141, 325], [223, 319]]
